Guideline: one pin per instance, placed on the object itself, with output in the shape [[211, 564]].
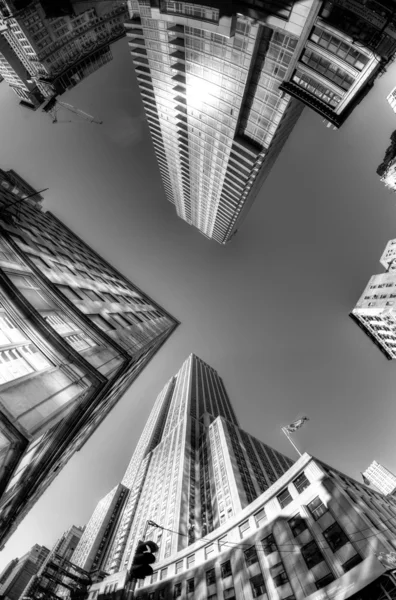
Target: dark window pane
[[352, 562], [279, 574], [311, 554], [317, 508], [229, 594], [210, 577], [335, 537], [190, 585], [297, 525], [284, 498], [251, 556], [324, 581], [226, 569], [301, 483], [258, 587], [269, 545]]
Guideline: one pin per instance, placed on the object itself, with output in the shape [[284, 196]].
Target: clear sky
[[269, 311]]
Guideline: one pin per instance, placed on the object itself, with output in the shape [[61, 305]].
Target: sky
[[269, 311]]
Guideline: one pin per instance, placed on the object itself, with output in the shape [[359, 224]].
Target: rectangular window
[[352, 562], [151, 596], [269, 545], [190, 561], [301, 483], [284, 498], [260, 517], [321, 583], [210, 577], [179, 566], [257, 585], [209, 550], [297, 524], [161, 594], [212, 597], [251, 556], [244, 527], [317, 508], [190, 585], [226, 569], [229, 593], [278, 574], [154, 577], [164, 573], [335, 537], [102, 323], [177, 590], [222, 543], [311, 554]]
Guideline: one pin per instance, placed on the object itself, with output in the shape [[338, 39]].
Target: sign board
[[352, 582]]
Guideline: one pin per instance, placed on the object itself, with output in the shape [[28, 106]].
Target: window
[[251, 556], [301, 483], [311, 554], [321, 583], [177, 590], [279, 574], [258, 587], [164, 573], [260, 517], [222, 542], [352, 562], [212, 597], [297, 524], [154, 577], [210, 577], [269, 545], [317, 508], [209, 549], [327, 68], [190, 561], [151, 596], [284, 498], [190, 585], [229, 593], [243, 527], [226, 569], [335, 537], [101, 322], [161, 594], [179, 566]]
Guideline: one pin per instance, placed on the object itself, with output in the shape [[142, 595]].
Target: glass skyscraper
[[74, 334]]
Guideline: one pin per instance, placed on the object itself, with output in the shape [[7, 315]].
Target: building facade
[[391, 98], [14, 584], [223, 84], [192, 471], [74, 334], [375, 310], [49, 47], [387, 169], [381, 478], [315, 534]]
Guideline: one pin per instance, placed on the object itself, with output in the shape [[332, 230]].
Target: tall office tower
[[391, 98], [217, 80], [74, 334], [47, 47], [375, 312], [387, 169], [7, 570], [381, 477], [91, 549], [13, 586], [193, 468]]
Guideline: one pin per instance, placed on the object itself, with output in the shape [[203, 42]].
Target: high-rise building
[[387, 169], [223, 84], [7, 570], [391, 98], [193, 469], [47, 47], [74, 334], [381, 477], [14, 584], [375, 311], [234, 518]]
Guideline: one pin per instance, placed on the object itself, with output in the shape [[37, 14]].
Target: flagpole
[[284, 429]]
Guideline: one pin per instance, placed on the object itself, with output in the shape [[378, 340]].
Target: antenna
[[53, 105]]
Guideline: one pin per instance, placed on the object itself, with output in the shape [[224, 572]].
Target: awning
[[352, 582]]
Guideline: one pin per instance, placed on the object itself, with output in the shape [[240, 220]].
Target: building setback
[[381, 477], [223, 84], [193, 469], [375, 309], [48, 47], [74, 334]]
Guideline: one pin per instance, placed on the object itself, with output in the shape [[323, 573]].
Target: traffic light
[[142, 560]]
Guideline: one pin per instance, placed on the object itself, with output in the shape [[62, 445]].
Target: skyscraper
[[375, 309], [193, 469], [47, 47], [13, 586], [223, 84], [74, 334], [381, 477], [387, 169]]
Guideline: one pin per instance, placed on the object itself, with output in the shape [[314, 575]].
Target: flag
[[295, 425]]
